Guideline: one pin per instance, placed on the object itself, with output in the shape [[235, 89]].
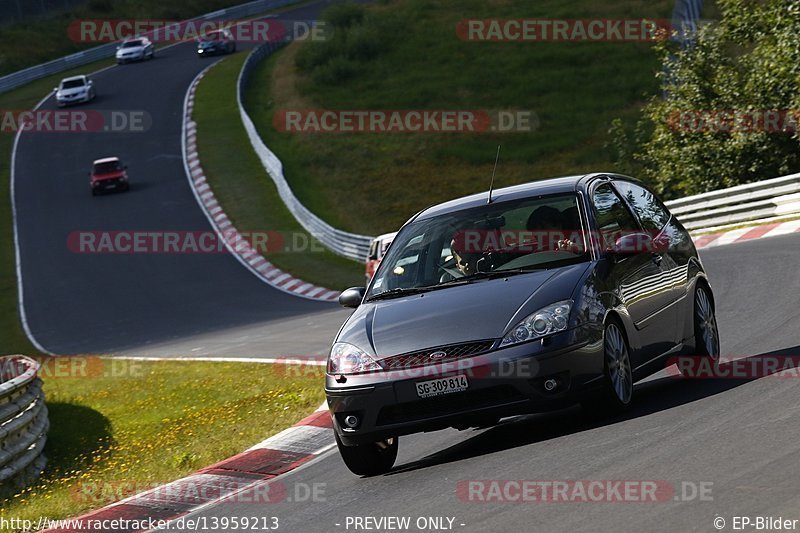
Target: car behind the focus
[[543, 295], [216, 42], [108, 174], [135, 49], [74, 90]]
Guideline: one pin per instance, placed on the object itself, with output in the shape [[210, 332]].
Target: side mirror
[[352, 297], [632, 244], [55, 89]]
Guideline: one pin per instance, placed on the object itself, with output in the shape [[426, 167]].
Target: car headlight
[[347, 359], [547, 320]]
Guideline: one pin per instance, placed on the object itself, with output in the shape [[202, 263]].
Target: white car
[[135, 49], [74, 90]]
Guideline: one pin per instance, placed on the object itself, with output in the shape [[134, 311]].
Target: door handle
[[657, 259]]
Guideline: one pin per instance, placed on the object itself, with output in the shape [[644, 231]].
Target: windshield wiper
[[400, 291]]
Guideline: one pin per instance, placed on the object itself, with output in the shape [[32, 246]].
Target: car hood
[[108, 175], [73, 91], [479, 311]]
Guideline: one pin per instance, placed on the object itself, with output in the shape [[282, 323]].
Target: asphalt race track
[[151, 304], [740, 435]]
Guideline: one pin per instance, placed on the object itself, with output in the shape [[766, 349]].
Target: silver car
[[74, 90], [135, 49]]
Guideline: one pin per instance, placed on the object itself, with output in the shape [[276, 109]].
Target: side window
[[613, 218], [648, 208]]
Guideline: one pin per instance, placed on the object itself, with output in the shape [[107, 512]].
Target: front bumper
[[503, 382], [67, 100], [131, 57], [111, 184]]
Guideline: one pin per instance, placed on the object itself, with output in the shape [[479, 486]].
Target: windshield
[[473, 244], [105, 168], [216, 36], [131, 44], [71, 84]]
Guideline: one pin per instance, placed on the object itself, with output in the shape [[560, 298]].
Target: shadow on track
[[650, 397]]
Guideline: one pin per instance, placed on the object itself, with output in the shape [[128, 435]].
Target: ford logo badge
[[437, 355]]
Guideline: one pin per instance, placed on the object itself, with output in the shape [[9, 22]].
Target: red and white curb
[[242, 250], [712, 240], [243, 478]]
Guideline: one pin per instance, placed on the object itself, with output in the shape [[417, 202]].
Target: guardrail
[[351, 245], [757, 202], [23, 423], [22, 77]]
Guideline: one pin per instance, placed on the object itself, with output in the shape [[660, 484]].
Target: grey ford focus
[[524, 299]]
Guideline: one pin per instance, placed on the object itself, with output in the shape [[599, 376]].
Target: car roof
[[106, 160], [385, 236], [73, 78], [565, 184], [131, 39]]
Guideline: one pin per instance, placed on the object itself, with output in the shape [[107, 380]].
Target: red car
[[108, 175]]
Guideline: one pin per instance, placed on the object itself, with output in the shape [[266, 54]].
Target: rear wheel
[[706, 334], [369, 459]]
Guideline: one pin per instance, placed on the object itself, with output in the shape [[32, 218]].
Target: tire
[[706, 333], [616, 392], [369, 459]]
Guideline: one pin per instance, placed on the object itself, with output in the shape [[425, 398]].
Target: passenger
[[548, 225]]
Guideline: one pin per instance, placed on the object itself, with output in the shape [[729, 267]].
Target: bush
[[749, 62]]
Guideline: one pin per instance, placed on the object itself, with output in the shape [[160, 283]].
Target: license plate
[[437, 387]]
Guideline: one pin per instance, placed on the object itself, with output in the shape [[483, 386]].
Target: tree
[[729, 109]]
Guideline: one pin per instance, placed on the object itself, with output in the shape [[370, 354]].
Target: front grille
[[450, 404], [423, 357]]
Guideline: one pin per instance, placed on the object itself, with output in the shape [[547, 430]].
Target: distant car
[[135, 49], [108, 174], [216, 42], [74, 90], [377, 249]]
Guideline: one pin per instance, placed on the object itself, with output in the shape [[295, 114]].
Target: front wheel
[[370, 459], [706, 334], [616, 391]]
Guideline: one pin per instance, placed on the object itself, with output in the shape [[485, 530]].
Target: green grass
[[371, 183], [245, 190], [153, 423]]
